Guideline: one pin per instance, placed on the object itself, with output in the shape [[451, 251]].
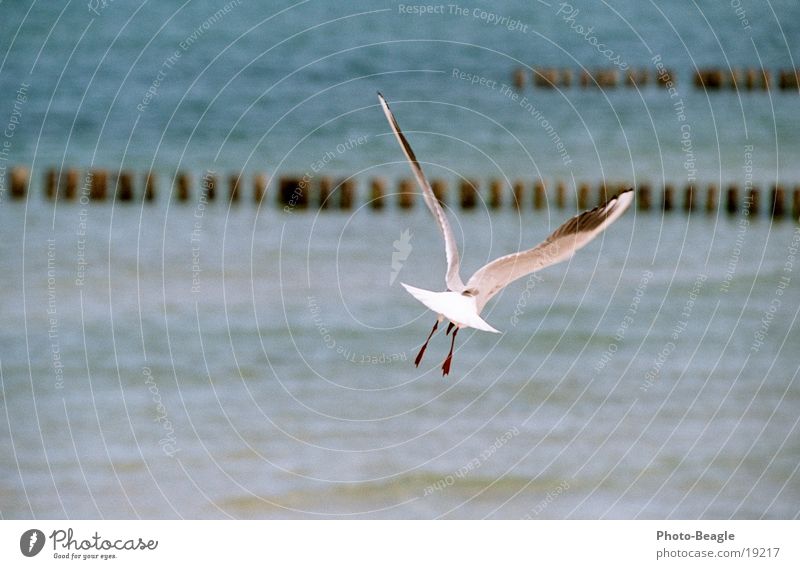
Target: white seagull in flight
[[462, 304]]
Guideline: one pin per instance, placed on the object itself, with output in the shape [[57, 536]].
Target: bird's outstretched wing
[[453, 278], [560, 246]]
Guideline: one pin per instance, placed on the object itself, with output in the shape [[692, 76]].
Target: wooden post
[[667, 202], [566, 77], [210, 185], [495, 194], [583, 196], [99, 187], [711, 198], [51, 183], [347, 190], [796, 203], [184, 183], [789, 79], [439, 188], [519, 194], [70, 186], [469, 193], [234, 183], [293, 192], [778, 198], [732, 205], [643, 199], [406, 194], [259, 187], [539, 194], [688, 202], [664, 80], [561, 195], [19, 182], [150, 187], [124, 187], [325, 191], [377, 189]]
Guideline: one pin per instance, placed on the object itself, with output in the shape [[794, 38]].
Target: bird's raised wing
[[560, 246], [453, 278]]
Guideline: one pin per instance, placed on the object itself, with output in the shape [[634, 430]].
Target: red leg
[[449, 329], [446, 364], [425, 345]]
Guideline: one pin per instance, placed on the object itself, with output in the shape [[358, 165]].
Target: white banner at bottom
[[406, 544]]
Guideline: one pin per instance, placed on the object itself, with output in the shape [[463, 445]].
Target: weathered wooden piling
[[539, 194], [377, 189], [566, 77], [520, 78], [495, 194], [754, 201], [99, 186], [712, 198], [150, 187], [325, 191], [124, 186], [667, 203], [519, 194], [546, 77], [234, 183], [405, 194], [561, 195], [210, 186], [796, 203], [259, 187], [69, 186], [184, 186], [18, 182], [664, 79], [778, 198], [789, 79], [689, 198], [51, 183], [439, 188], [709, 79], [293, 192], [643, 198], [732, 201], [468, 193], [757, 79], [347, 191], [583, 196]]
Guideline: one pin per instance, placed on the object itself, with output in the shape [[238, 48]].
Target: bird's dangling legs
[[449, 329], [446, 364], [425, 345]]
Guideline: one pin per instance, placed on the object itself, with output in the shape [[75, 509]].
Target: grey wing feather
[[559, 246], [453, 278]]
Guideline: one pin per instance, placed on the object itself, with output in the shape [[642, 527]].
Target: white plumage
[[462, 304]]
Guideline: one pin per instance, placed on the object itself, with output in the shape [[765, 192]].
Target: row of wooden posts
[[326, 193], [750, 79]]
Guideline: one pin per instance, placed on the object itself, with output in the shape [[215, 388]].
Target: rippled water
[[182, 360]]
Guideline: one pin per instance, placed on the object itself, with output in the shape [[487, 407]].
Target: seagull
[[462, 304]]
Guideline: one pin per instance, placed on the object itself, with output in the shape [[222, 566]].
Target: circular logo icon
[[31, 542]]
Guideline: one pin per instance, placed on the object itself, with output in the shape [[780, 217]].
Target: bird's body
[[462, 304]]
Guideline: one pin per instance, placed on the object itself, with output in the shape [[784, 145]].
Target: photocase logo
[[31, 542], [402, 249]]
